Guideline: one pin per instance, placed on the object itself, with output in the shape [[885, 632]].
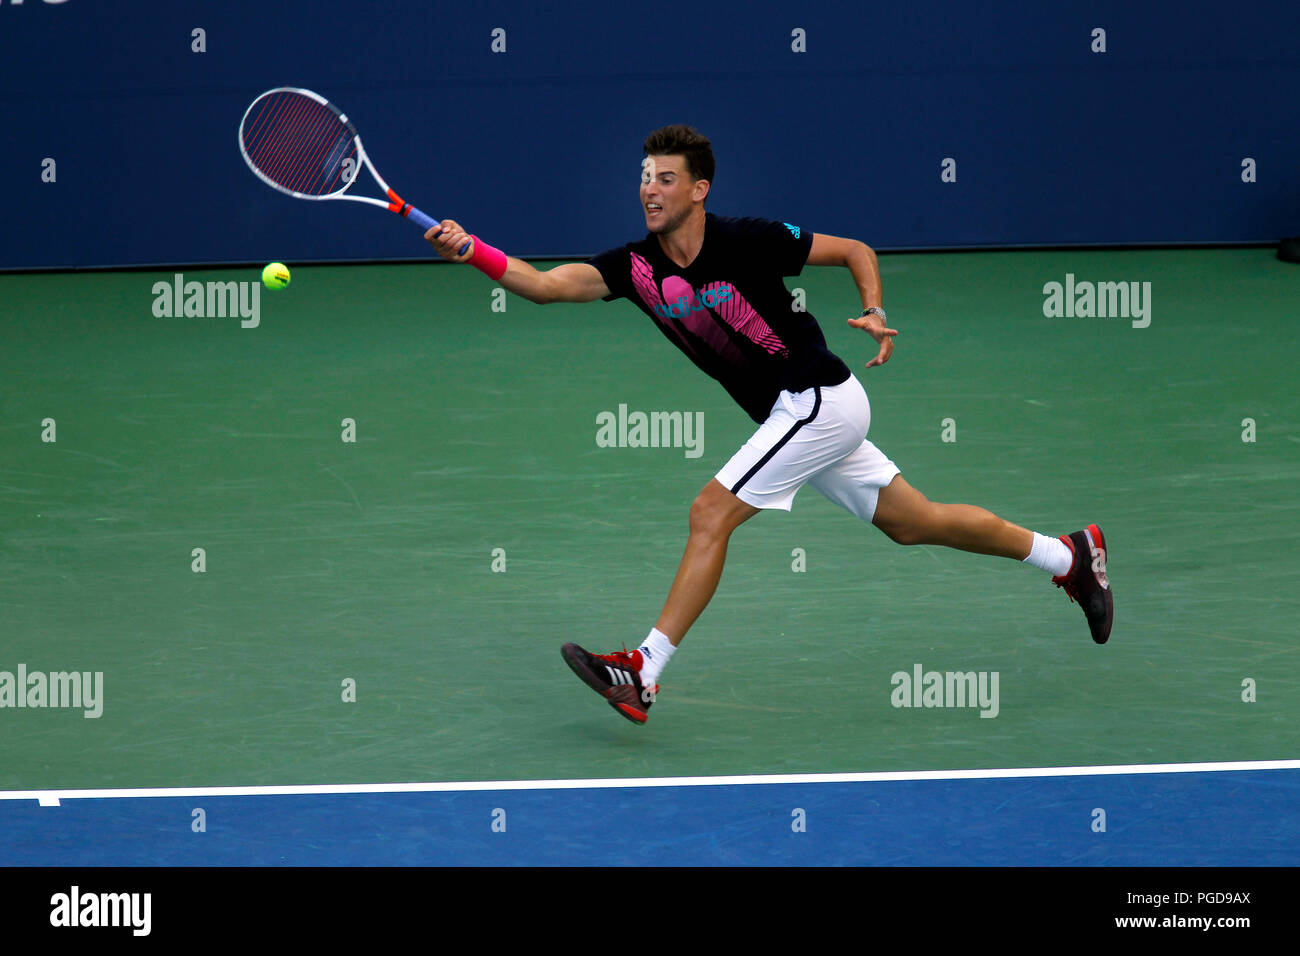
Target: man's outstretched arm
[[860, 259], [575, 282]]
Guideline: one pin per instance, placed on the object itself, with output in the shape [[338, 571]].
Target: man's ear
[[701, 190]]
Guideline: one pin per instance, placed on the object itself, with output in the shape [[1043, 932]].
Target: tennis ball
[[275, 276]]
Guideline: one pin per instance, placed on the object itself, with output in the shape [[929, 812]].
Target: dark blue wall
[[538, 148]]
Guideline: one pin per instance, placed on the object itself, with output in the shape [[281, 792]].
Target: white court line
[[51, 798]]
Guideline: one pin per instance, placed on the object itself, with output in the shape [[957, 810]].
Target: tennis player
[[715, 287]]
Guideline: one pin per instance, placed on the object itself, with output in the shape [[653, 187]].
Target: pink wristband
[[487, 260]]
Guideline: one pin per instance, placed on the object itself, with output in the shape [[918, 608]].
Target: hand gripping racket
[[300, 143]]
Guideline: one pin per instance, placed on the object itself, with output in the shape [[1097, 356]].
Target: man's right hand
[[448, 238]]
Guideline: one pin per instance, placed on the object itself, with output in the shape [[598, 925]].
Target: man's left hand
[[873, 326]]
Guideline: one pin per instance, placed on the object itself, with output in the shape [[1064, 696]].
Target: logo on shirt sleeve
[[794, 230]]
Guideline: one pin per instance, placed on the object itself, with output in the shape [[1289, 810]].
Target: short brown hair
[[687, 142]]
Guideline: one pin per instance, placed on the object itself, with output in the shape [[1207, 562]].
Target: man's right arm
[[575, 282]]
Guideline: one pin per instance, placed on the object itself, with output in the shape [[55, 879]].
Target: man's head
[[676, 176]]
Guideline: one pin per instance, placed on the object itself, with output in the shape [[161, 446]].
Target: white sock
[[1050, 554], [656, 650]]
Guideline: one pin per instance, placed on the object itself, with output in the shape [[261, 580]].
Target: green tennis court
[[475, 445]]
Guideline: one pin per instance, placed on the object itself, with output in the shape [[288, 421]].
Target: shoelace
[[1066, 586], [1068, 593], [617, 657]]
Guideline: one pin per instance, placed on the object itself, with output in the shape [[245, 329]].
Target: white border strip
[[52, 798]]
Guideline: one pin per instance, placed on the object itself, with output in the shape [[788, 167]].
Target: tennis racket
[[300, 143]]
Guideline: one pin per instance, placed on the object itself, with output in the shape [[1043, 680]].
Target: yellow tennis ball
[[276, 275]]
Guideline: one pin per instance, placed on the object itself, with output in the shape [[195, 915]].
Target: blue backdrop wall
[[119, 142]]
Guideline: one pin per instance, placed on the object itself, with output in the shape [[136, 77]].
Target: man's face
[[668, 192]]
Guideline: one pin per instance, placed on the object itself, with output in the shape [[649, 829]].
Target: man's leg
[[908, 517], [628, 680], [805, 433], [714, 515], [1076, 561]]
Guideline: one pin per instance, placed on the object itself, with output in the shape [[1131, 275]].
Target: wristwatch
[[876, 309]]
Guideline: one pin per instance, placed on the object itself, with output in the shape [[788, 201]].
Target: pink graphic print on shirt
[[692, 309], [643, 279], [743, 317]]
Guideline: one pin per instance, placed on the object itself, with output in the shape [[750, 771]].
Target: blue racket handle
[[426, 224]]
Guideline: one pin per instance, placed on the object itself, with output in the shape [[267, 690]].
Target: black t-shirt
[[729, 310]]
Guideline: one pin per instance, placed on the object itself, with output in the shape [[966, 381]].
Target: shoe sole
[[620, 698]]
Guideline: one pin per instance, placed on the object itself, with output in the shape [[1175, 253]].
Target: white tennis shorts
[[815, 436]]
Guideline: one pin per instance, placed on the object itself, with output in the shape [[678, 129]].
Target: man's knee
[[706, 514], [904, 533], [915, 523], [716, 512]]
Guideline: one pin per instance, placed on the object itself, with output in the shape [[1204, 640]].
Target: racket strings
[[298, 143]]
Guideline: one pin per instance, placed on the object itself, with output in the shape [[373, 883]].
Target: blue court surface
[[1240, 815]]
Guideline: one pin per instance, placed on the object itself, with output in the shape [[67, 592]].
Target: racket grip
[[425, 223], [419, 218]]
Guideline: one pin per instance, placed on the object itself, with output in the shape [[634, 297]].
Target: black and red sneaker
[[1086, 581], [616, 677]]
